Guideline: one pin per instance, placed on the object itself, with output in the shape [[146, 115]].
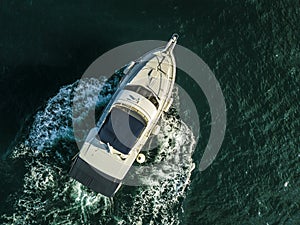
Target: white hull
[[128, 120]]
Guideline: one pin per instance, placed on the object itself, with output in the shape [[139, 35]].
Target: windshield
[[121, 129], [144, 92]]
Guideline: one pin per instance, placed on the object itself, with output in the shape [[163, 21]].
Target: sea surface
[[253, 48]]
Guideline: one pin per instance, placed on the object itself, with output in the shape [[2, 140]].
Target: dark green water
[[254, 50]]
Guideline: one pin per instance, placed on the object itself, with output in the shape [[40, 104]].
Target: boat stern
[[93, 178]]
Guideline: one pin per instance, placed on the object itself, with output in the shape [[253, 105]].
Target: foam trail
[[50, 196], [46, 184], [155, 204]]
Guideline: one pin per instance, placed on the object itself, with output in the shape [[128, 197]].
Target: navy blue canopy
[[121, 129]]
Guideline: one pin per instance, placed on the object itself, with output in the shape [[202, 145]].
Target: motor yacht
[[127, 122]]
